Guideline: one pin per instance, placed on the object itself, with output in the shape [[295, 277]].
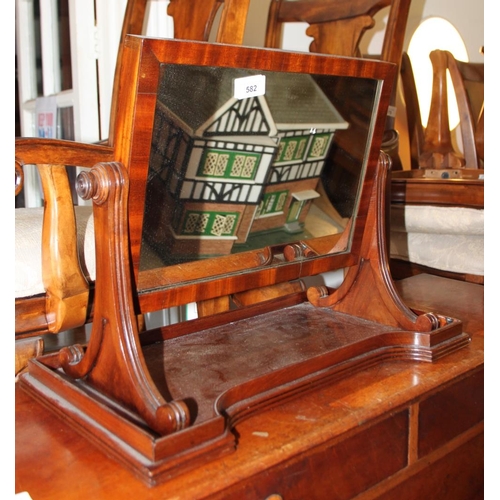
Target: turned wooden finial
[[296, 251]]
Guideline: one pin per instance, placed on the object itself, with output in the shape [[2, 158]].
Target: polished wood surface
[[337, 26], [393, 430], [157, 408], [415, 188], [67, 302], [427, 292], [412, 110], [468, 84]]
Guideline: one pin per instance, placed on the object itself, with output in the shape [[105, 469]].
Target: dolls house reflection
[[233, 172]]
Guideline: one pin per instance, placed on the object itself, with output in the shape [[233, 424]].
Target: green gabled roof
[[195, 94]]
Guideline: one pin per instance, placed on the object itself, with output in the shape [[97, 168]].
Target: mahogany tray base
[[226, 373]]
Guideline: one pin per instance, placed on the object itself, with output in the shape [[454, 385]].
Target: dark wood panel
[[458, 475], [433, 193], [29, 321], [420, 187], [401, 269], [451, 412], [368, 456]]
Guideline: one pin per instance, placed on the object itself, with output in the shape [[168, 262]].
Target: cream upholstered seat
[[444, 238], [28, 263], [437, 211]]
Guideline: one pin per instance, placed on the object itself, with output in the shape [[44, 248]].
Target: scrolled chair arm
[[19, 183]]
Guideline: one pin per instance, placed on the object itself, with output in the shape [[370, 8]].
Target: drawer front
[[450, 412], [327, 472]]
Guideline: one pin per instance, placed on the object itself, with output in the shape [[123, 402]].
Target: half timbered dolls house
[[227, 167], [306, 122]]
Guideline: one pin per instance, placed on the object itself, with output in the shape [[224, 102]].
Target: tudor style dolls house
[[229, 168]]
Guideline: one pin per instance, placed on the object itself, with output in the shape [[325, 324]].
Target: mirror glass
[[243, 160]]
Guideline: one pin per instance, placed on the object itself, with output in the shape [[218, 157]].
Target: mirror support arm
[[370, 280], [113, 362]]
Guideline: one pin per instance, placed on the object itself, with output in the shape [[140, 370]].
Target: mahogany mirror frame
[[173, 285]]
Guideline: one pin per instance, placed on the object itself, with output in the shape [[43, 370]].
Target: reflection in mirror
[[239, 158]]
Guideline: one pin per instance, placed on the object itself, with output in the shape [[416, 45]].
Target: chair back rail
[[186, 27], [338, 26], [433, 146]]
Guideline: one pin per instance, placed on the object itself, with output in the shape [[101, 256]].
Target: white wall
[[467, 16]]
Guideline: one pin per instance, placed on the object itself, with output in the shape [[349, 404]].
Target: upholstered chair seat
[[444, 238], [28, 262]]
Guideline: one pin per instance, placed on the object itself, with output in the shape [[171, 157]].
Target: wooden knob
[[93, 184], [173, 416], [292, 252], [86, 185], [71, 355]]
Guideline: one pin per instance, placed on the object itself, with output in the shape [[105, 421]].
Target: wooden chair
[[433, 147], [338, 27], [55, 261], [186, 26], [63, 298], [412, 110], [167, 401], [437, 212], [63, 302]]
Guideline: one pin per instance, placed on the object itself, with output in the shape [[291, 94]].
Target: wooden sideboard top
[[411, 186], [54, 461], [455, 298]]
